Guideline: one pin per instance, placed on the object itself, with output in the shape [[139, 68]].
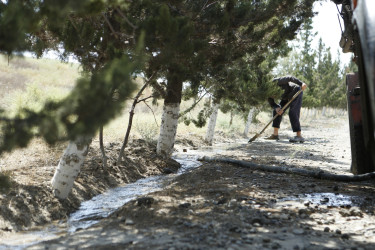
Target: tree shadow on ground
[[221, 206], [282, 152]]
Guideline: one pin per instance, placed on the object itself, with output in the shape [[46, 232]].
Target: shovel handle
[[294, 97]]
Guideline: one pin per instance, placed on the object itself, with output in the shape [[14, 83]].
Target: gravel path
[[223, 206]]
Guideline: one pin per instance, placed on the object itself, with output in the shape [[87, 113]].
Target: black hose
[[292, 170]]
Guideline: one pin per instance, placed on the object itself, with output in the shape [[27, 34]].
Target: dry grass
[[24, 79]]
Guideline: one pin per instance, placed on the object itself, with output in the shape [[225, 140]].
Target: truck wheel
[[360, 163], [360, 122]]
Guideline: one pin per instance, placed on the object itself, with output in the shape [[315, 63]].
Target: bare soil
[[30, 201], [216, 206]]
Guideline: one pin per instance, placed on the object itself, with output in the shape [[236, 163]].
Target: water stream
[[91, 211], [101, 206]]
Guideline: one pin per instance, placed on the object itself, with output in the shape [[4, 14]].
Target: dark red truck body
[[358, 37]]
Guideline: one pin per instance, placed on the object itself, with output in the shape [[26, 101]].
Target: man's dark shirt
[[291, 86]]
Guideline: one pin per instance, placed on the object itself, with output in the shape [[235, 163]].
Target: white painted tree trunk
[[212, 124], [314, 115], [168, 129], [324, 111], [305, 113], [309, 114], [69, 166], [248, 122]]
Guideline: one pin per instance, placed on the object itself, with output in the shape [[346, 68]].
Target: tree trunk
[[324, 111], [249, 121], [304, 114], [307, 114], [212, 124], [168, 129], [130, 123], [231, 118], [102, 149], [171, 109], [69, 166]]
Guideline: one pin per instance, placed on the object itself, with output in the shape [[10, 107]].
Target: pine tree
[[185, 41], [316, 67], [96, 98], [190, 40]]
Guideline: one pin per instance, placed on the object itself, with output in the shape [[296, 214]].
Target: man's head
[[279, 81]]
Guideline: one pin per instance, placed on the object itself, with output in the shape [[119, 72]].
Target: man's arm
[[286, 79], [272, 103], [281, 105]]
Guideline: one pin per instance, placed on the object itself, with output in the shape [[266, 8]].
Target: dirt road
[[223, 206]]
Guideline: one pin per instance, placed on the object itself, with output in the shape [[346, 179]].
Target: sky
[[327, 25]]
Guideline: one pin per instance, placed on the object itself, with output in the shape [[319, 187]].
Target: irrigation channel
[[101, 206]]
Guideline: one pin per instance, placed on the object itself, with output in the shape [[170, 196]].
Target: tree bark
[[171, 109], [249, 121], [101, 144], [126, 138], [130, 123], [212, 124], [168, 129], [231, 118], [324, 111], [69, 166]]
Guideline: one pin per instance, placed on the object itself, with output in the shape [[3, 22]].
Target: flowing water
[[91, 211], [101, 206], [327, 199]]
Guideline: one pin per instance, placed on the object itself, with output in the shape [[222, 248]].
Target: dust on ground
[[224, 206]]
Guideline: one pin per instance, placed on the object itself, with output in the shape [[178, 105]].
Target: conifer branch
[[125, 18], [204, 6], [192, 106], [110, 25], [73, 24], [159, 89], [211, 4], [153, 113], [128, 22], [145, 99]]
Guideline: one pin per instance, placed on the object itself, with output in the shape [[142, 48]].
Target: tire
[[359, 159], [361, 128]]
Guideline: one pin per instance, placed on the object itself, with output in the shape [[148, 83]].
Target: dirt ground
[[30, 201], [216, 206]]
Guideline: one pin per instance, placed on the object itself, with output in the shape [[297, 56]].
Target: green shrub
[[147, 130]]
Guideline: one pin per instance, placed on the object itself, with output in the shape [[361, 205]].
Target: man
[[291, 86]]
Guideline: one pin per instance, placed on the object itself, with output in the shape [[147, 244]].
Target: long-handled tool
[[283, 108]]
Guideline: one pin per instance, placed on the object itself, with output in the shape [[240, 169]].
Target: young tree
[[249, 120], [95, 100], [222, 32], [255, 35], [317, 68], [212, 121]]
